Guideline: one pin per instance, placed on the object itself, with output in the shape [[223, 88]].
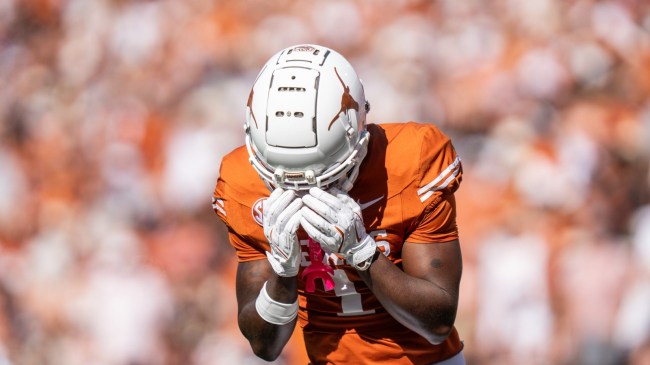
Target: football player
[[346, 228]]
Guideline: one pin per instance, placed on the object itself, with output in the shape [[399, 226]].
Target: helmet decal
[[250, 106], [304, 48], [347, 101]]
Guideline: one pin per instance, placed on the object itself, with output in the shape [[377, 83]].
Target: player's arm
[[267, 289], [423, 297], [266, 339]]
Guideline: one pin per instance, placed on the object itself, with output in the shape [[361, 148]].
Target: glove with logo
[[281, 221], [334, 220]]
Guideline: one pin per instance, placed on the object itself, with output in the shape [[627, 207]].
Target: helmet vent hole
[[279, 114], [291, 88], [293, 77], [298, 114]]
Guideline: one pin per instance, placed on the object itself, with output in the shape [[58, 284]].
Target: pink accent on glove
[[317, 269]]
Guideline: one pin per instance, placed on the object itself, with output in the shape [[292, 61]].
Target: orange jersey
[[405, 189]]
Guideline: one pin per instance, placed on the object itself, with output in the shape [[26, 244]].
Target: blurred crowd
[[114, 115]]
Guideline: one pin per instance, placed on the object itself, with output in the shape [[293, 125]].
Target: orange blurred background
[[114, 115]]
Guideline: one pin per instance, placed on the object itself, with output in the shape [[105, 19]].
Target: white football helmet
[[306, 120]]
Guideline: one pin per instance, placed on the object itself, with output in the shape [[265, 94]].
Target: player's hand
[[334, 220], [281, 221]]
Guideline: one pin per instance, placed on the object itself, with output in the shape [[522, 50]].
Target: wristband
[[362, 259], [275, 312]]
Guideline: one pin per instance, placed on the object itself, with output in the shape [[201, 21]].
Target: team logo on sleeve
[[258, 211]]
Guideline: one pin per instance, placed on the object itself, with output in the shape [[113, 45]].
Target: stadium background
[[114, 115]]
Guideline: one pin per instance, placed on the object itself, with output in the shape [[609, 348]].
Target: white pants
[[457, 359]]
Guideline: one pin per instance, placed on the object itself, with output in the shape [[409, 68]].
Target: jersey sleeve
[[437, 222], [440, 174], [245, 252], [237, 217]]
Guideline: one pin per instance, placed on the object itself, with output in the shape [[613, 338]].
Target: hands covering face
[[331, 218], [281, 221], [335, 220]]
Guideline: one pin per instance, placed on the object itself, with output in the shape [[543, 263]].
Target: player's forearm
[[420, 305], [267, 339]]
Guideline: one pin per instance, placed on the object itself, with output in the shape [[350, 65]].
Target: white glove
[[281, 221], [335, 222]]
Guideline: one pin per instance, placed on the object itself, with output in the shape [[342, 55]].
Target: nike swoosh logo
[[367, 204]]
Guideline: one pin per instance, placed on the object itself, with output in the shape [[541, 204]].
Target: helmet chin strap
[[347, 183]]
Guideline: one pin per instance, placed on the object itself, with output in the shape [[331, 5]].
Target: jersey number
[[351, 304]]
